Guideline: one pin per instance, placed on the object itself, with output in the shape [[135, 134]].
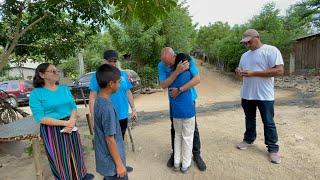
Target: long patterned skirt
[[64, 153]]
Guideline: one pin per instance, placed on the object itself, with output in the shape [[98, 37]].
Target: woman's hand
[[67, 130], [71, 123]]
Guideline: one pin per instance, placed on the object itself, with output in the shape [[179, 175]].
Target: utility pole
[[81, 63]]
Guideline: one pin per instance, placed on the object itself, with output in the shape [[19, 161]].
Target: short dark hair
[[38, 81], [108, 54], [180, 57], [107, 73]]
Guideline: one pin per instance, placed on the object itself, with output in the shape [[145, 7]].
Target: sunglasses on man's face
[[247, 43], [112, 60]]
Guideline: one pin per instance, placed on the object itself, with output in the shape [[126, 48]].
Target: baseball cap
[[110, 54], [248, 35]]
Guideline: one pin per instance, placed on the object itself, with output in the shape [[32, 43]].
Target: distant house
[[25, 71], [306, 55], [22, 72]]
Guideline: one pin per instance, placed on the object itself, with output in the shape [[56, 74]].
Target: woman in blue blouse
[[53, 106]]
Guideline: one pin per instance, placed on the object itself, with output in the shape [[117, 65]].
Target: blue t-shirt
[[55, 104], [183, 105], [164, 72], [119, 99], [106, 124]]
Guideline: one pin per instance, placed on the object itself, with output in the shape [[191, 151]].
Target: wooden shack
[[306, 55]]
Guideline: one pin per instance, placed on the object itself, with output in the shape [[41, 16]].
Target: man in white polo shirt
[[258, 66]]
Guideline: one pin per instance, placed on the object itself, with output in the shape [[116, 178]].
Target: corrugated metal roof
[[22, 129], [307, 36]]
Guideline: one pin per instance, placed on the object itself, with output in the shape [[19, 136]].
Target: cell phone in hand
[[73, 129]]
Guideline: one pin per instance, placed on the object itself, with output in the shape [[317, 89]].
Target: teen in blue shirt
[[183, 114], [182, 106], [120, 99]]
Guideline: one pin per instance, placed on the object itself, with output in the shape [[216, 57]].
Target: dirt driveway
[[221, 125]]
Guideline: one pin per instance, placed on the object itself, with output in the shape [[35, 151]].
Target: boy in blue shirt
[[183, 113], [109, 147]]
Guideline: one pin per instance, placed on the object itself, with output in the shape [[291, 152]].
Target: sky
[[231, 11]]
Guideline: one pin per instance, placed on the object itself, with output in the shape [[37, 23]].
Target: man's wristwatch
[[179, 89]]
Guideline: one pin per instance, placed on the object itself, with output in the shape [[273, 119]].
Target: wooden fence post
[[36, 158]]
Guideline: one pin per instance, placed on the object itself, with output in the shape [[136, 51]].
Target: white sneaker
[[243, 145], [275, 158]]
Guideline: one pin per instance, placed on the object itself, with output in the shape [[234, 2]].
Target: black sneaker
[[88, 176], [199, 162], [170, 161], [129, 169]]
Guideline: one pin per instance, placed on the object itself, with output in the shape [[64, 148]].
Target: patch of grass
[[88, 136], [29, 150]]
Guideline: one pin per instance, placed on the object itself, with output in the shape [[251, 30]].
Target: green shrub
[[148, 76], [128, 65]]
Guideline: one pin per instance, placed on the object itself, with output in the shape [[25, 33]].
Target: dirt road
[[221, 125]]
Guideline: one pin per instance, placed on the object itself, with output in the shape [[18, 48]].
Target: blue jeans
[[266, 109]]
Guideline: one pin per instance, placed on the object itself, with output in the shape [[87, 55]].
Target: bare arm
[[132, 106], [166, 83], [182, 66], [92, 98], [113, 149], [57, 122], [73, 115], [130, 98], [68, 125], [193, 82], [275, 71]]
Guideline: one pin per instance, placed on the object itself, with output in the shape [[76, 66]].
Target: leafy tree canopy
[[55, 29], [221, 42]]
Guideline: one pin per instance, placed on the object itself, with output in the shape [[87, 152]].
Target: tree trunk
[[4, 57]]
